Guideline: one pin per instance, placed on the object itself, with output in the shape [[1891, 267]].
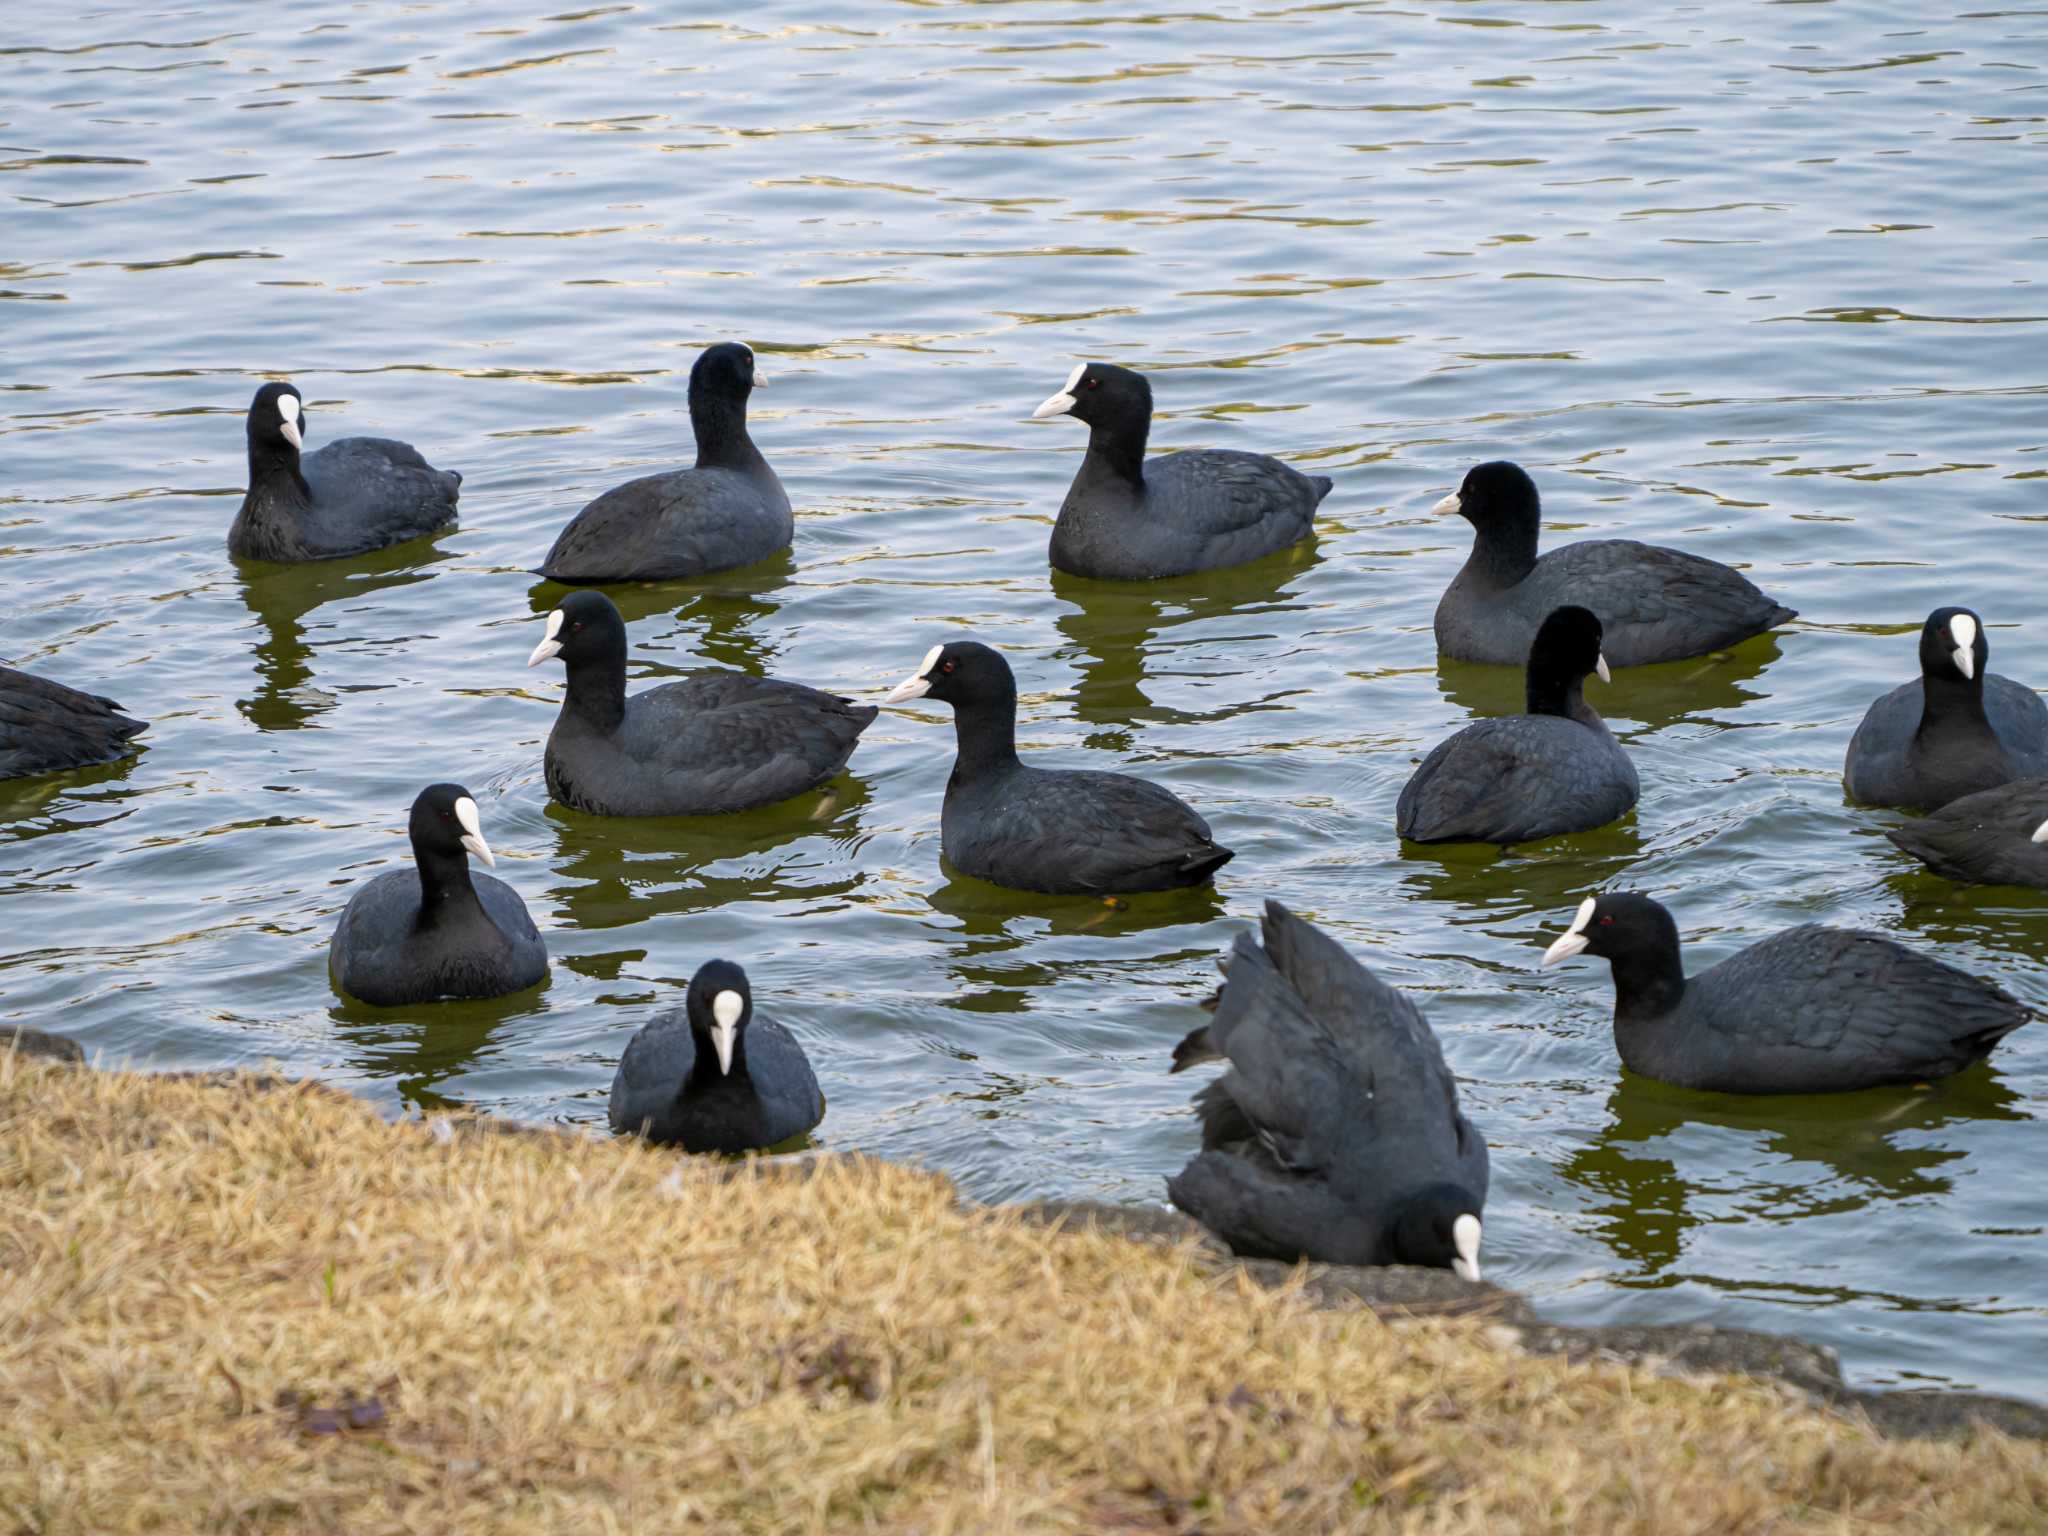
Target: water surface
[[1759, 281]]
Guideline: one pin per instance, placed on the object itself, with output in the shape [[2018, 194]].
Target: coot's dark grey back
[[659, 1059], [675, 525], [46, 727], [379, 955], [1818, 1009], [1987, 837], [1517, 778], [1200, 510], [369, 492], [1076, 831]]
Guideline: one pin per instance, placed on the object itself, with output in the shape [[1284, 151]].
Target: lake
[[1758, 281]]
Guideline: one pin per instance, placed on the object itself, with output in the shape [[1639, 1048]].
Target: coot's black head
[[1619, 925], [726, 371], [719, 1005], [1102, 394], [1953, 647], [965, 672], [1495, 495], [277, 419], [1438, 1228], [1567, 647], [445, 825], [587, 627]]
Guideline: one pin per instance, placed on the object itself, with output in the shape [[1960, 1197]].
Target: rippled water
[[1756, 280]]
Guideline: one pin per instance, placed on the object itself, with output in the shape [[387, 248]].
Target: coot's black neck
[[720, 422], [705, 1081], [986, 733], [1953, 708], [597, 685], [1116, 453], [1503, 551], [447, 895], [274, 475], [1648, 980], [1550, 692]]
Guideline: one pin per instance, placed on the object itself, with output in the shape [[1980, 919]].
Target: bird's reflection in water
[[1531, 881], [427, 1047], [1643, 1207], [718, 620], [611, 871], [1656, 696], [994, 921], [283, 596], [70, 801], [1947, 918], [1116, 632]]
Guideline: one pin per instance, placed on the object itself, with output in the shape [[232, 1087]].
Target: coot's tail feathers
[[1781, 615], [864, 714], [456, 476], [1323, 485], [1204, 862]]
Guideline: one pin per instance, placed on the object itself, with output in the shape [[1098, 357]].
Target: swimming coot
[[436, 930], [354, 495], [1128, 520], [1656, 604], [47, 728], [1336, 1133], [1960, 729], [727, 510], [713, 1075], [1809, 1010], [1994, 837], [708, 743], [1554, 770], [1059, 831]]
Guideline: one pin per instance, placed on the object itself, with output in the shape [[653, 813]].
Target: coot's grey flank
[[1059, 831], [1125, 519], [1336, 1133], [1657, 604], [437, 930], [1994, 837], [354, 495], [1959, 729], [1554, 770], [713, 1075], [706, 744], [47, 728], [1809, 1010], [727, 510]]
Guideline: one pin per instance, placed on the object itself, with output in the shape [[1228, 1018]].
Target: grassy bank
[[229, 1310]]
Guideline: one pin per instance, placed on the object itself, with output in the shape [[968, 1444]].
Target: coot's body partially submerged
[[1554, 770], [1994, 837], [1059, 831], [726, 510], [1336, 1133], [438, 930], [1958, 730], [352, 496], [1809, 1010], [48, 728], [713, 1075], [1656, 604], [1126, 519], [707, 744]]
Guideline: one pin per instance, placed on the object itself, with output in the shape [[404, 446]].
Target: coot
[[1809, 1010], [1336, 1133], [1128, 520], [727, 510], [1554, 770], [1657, 604], [713, 1075], [354, 495], [47, 728], [1060, 831], [1960, 729], [436, 930], [1994, 837], [709, 743]]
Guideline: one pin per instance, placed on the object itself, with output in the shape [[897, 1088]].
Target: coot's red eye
[[945, 666], [1605, 921], [1095, 383], [576, 628]]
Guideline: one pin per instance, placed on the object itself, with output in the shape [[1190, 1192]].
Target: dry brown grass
[[569, 1335]]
